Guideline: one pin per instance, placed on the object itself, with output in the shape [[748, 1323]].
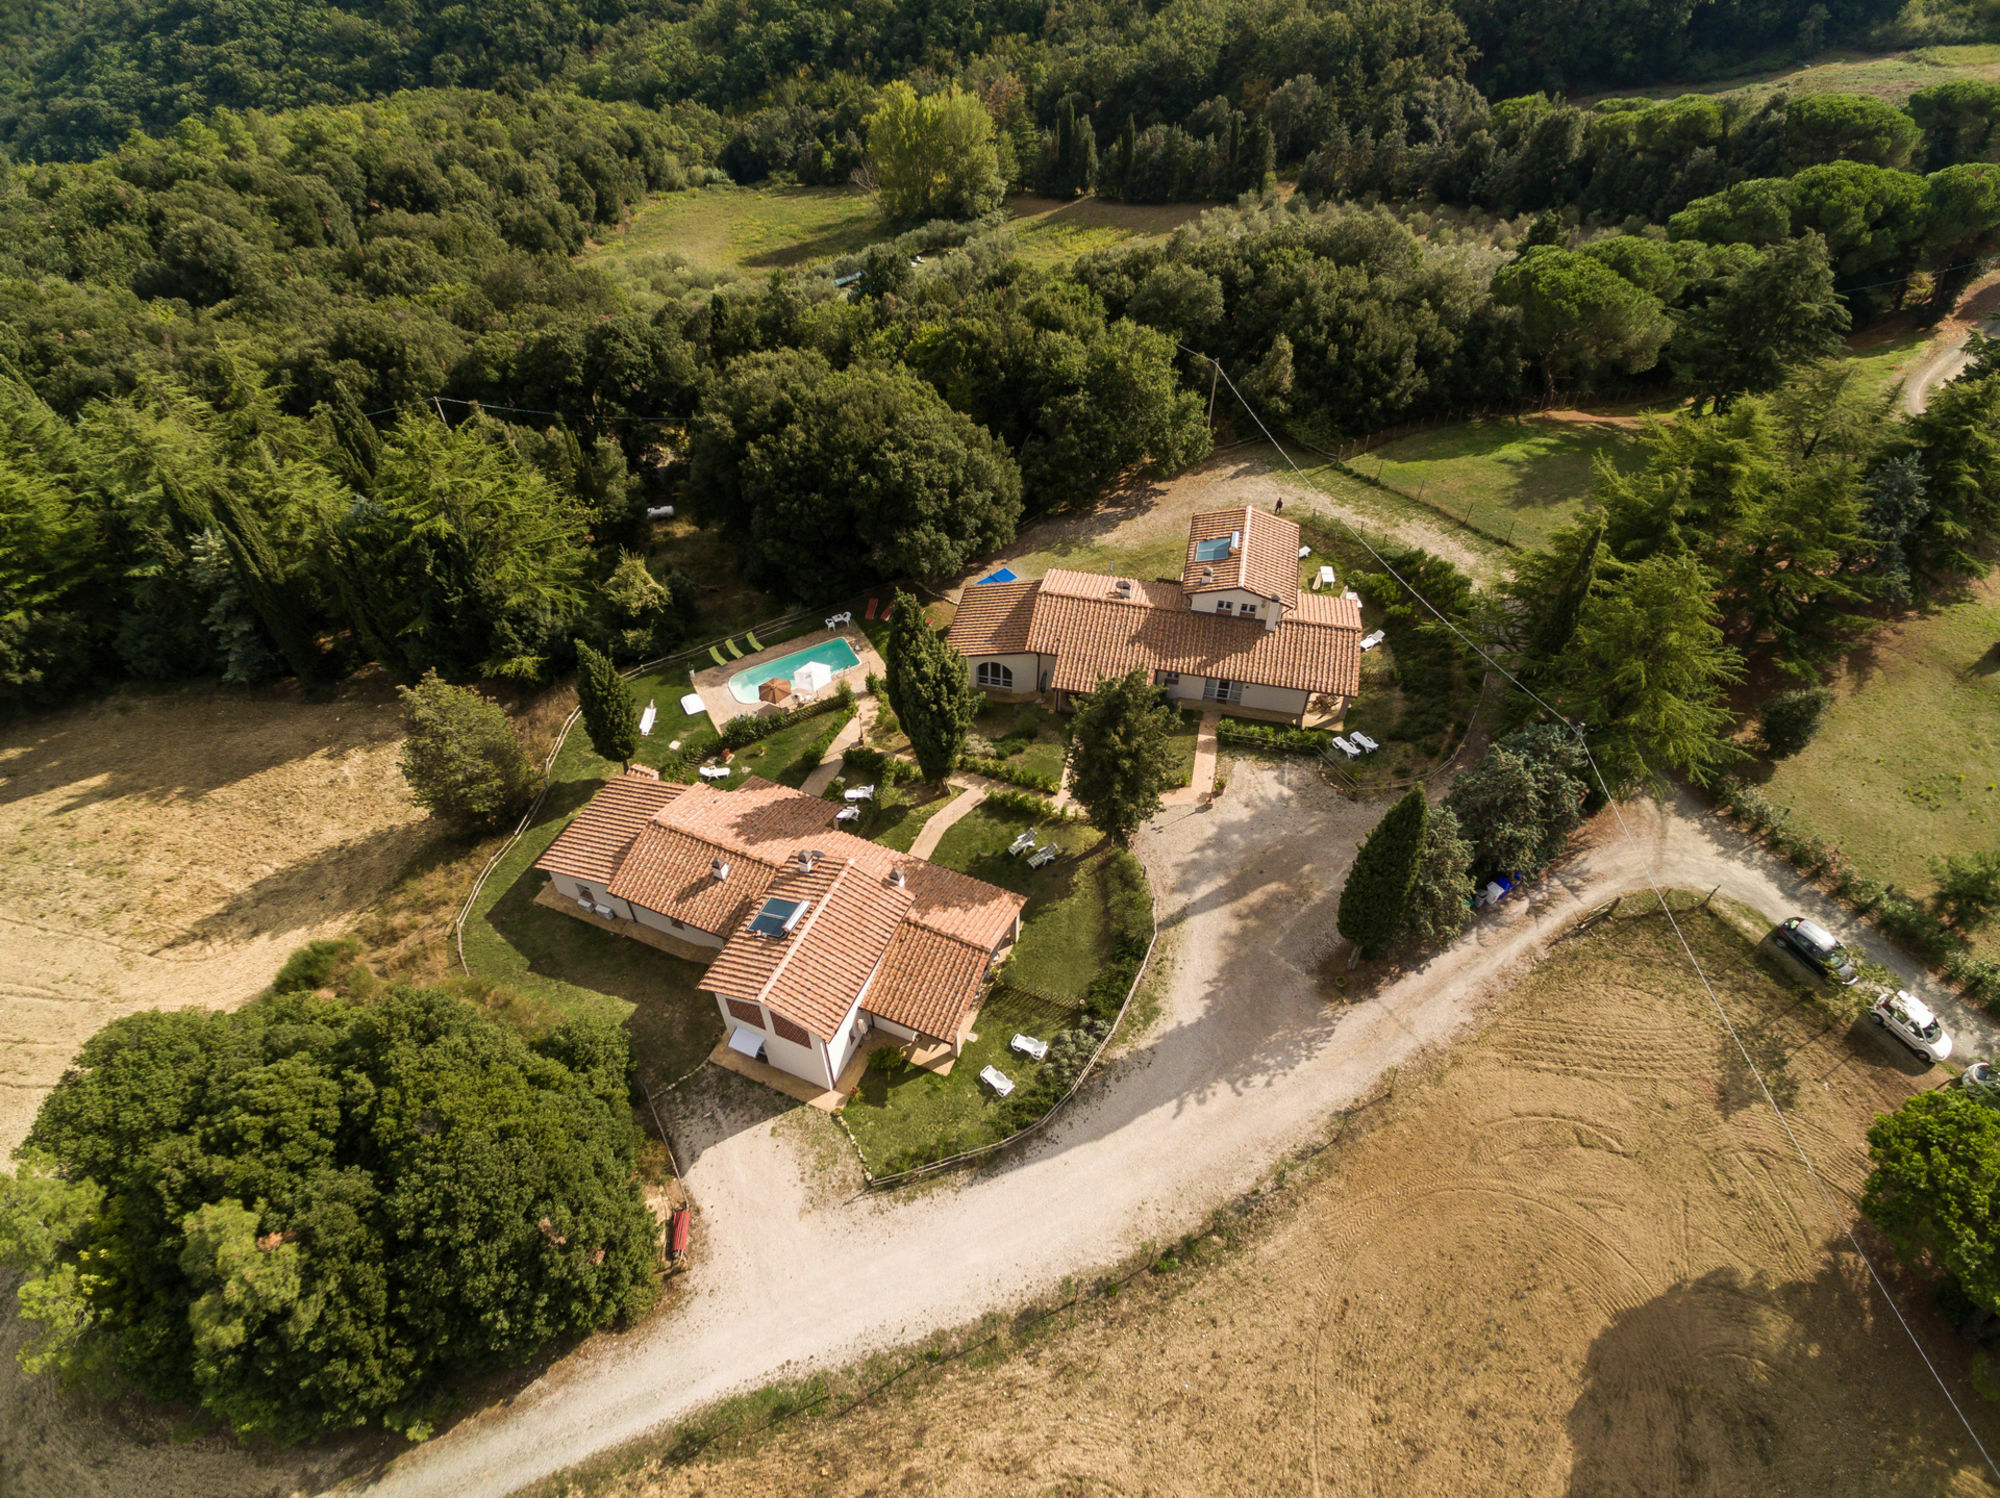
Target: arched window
[[993, 674]]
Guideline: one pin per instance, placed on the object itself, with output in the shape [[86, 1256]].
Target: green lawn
[[916, 1111], [1050, 232], [1908, 760], [1892, 76], [744, 230], [1039, 747], [1181, 740], [1887, 352], [1519, 479], [1063, 940], [902, 812], [787, 756]]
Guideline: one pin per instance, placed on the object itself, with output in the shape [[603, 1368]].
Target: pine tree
[[610, 711], [1119, 757], [1376, 896], [930, 689], [1556, 627]]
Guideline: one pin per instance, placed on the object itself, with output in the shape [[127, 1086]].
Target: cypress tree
[[1559, 624], [1376, 897], [1120, 760], [610, 711], [929, 687]]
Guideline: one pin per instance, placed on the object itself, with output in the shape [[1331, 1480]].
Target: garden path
[[974, 789], [829, 767]]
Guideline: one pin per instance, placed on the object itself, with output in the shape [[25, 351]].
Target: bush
[[1789, 720], [315, 965], [1274, 736], [882, 766], [1030, 805], [747, 728], [999, 769], [461, 758], [311, 1215]]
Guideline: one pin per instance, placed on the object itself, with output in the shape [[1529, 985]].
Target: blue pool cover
[[1002, 576]]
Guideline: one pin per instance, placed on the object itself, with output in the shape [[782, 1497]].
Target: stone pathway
[[1202, 781], [829, 767], [970, 795]]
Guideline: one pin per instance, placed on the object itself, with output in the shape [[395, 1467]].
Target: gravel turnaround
[[1250, 1057]]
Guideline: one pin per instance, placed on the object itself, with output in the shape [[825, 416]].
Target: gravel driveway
[[1246, 1063]]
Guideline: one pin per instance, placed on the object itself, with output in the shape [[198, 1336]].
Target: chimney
[[806, 858], [718, 868], [896, 876], [1235, 542], [1208, 574]]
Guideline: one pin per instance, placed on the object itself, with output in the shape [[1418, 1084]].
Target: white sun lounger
[[715, 772], [1022, 844], [847, 814], [1046, 855], [1369, 642], [998, 1080], [1346, 748], [1367, 744], [1304, 552], [1027, 1045], [646, 720], [859, 793]]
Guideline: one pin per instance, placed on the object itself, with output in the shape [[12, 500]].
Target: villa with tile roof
[[1234, 631], [813, 937]]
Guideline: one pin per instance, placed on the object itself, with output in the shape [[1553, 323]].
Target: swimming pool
[[835, 654]]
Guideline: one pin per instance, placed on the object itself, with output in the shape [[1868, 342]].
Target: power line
[[1798, 1145]]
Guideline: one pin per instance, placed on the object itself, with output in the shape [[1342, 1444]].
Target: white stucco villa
[[813, 937], [1235, 631]]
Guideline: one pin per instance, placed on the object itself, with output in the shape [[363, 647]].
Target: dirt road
[[1247, 1062], [1947, 356]]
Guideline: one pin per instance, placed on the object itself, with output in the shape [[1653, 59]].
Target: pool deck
[[713, 683]]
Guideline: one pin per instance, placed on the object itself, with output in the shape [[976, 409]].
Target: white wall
[[1275, 700], [1026, 669], [808, 1061], [571, 889], [1206, 603]]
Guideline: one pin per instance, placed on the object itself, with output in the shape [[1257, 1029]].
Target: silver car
[[1910, 1020]]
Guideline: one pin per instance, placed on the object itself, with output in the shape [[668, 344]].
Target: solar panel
[[777, 917], [1211, 551]]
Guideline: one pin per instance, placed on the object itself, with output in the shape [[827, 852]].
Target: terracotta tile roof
[[597, 837], [928, 981], [1266, 563], [758, 830], [1094, 632], [993, 618], [813, 973]]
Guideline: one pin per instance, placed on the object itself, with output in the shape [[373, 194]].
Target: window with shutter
[[786, 1030], [750, 1014]]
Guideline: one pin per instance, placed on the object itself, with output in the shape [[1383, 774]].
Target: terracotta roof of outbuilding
[[1095, 632], [928, 981], [993, 618], [597, 837], [1265, 563]]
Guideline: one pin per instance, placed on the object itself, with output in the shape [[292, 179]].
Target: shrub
[[999, 769], [747, 728], [861, 758], [1030, 805], [1274, 736], [1788, 720], [461, 759], [315, 965]]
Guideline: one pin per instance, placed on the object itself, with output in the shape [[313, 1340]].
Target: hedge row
[[999, 769], [1274, 736], [1910, 921], [881, 766], [747, 728], [1038, 807]]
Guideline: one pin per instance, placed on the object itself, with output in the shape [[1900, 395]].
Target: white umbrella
[[811, 676]]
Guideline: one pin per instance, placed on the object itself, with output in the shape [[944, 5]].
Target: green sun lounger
[[755, 643], [735, 650], [716, 656]]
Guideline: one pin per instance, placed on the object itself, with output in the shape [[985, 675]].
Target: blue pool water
[[838, 655]]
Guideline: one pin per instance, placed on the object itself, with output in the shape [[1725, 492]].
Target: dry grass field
[[1577, 1257], [171, 849]]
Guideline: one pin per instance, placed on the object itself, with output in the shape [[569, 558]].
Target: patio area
[[712, 682]]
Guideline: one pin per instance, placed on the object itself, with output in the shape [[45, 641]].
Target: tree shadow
[[324, 886], [1734, 1382]]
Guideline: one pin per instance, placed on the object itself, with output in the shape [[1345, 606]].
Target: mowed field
[[1907, 764], [1577, 1257], [1893, 76], [171, 849]]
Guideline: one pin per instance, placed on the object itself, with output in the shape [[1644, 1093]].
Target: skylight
[[1211, 551], [778, 916]]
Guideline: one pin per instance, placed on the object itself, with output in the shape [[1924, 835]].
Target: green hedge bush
[[747, 728], [999, 769]]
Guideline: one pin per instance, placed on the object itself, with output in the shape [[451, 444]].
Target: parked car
[[1910, 1020], [1816, 947], [1982, 1082]]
